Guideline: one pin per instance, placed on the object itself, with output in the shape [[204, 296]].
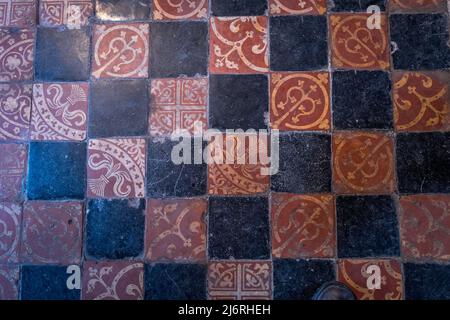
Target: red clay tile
[[16, 55], [116, 168], [176, 230], [59, 111], [118, 280], [10, 220], [184, 9], [121, 50], [9, 283], [73, 13], [300, 101], [355, 275], [15, 111], [421, 101], [243, 280], [417, 5], [425, 226], [294, 7], [363, 163], [355, 46], [238, 45], [52, 232], [13, 161], [17, 13], [178, 104], [303, 226]]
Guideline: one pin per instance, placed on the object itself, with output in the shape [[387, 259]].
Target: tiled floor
[[86, 178]]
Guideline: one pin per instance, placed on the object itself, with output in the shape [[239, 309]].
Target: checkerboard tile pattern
[[91, 90]]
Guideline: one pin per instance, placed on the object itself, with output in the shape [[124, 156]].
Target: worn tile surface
[[169, 10], [16, 54], [18, 13], [70, 13], [294, 7], [13, 161], [10, 220], [15, 111], [120, 10], [9, 283]]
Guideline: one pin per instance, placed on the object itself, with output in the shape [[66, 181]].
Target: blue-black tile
[[361, 222], [46, 283], [233, 8], [117, 10], [298, 43], [238, 101], [56, 170], [427, 281], [421, 41], [118, 108], [355, 5], [62, 55], [300, 279], [362, 100], [239, 228], [304, 163], [175, 281], [423, 162], [115, 228], [178, 48]]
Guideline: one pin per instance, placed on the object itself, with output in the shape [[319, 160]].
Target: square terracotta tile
[[10, 220], [176, 230], [17, 13], [16, 54], [424, 226], [169, 10], [300, 101], [15, 111], [59, 111], [355, 46], [303, 226], [293, 7], [120, 50], [116, 168], [9, 283], [52, 232], [417, 5], [119, 280], [357, 275], [178, 104], [363, 163], [72, 13], [243, 280], [239, 45], [13, 162], [421, 101]]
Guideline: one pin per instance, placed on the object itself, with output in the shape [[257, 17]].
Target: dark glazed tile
[[421, 40], [300, 279], [247, 220], [119, 108], [361, 222], [166, 179], [238, 101], [355, 5], [118, 10], [233, 8], [62, 55], [305, 163], [178, 48], [56, 170], [362, 100], [175, 281], [115, 228], [298, 43], [427, 281], [46, 283], [423, 162]]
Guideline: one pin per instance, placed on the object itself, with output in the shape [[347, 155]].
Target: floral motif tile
[[243, 280], [417, 5], [303, 226], [17, 13], [363, 163], [116, 168], [119, 280], [16, 54], [176, 230], [425, 226], [9, 283], [13, 161], [292, 7], [52, 232], [356, 274], [239, 45], [421, 101], [355, 46], [59, 111], [10, 220], [178, 104], [300, 101], [73, 13], [120, 50], [184, 9], [15, 111]]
